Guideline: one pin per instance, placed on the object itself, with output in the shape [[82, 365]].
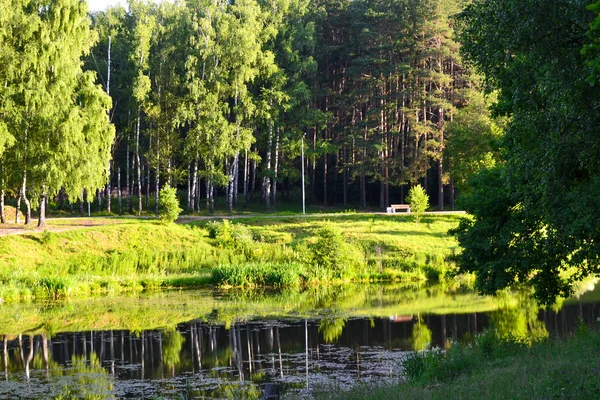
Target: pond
[[212, 344]]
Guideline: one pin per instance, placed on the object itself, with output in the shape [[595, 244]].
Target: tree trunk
[[194, 183], [314, 167], [452, 205], [441, 161], [211, 195], [127, 180], [232, 177], [25, 200], [2, 214], [275, 168], [119, 194], [325, 179], [17, 216], [81, 202], [108, 186], [345, 176], [236, 178], [246, 165], [266, 178], [137, 161], [99, 197], [189, 187], [42, 219], [253, 180]]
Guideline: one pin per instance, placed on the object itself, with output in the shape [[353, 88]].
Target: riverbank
[[497, 369], [129, 255]]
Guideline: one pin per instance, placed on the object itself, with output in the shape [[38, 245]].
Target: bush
[[331, 256], [233, 237], [169, 204], [418, 200]]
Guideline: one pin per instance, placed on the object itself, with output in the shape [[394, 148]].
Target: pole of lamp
[[303, 196]]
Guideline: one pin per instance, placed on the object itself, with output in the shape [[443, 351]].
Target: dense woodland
[[221, 98]]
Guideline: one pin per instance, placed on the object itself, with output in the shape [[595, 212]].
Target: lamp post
[[303, 202]]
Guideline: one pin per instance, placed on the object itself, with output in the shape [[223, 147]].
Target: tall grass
[[134, 255]]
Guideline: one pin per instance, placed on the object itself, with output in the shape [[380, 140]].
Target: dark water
[[199, 359]]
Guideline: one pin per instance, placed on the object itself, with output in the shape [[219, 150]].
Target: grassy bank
[[130, 255], [498, 369]]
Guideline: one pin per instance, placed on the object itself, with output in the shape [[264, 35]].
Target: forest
[[222, 98], [230, 101]]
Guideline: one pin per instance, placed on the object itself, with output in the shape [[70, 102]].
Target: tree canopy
[[534, 214]]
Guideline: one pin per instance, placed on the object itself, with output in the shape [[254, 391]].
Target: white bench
[[393, 207]]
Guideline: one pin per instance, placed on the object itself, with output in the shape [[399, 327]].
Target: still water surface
[[210, 344]]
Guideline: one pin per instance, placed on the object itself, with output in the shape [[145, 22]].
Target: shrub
[[169, 204], [233, 237], [418, 200], [331, 256]]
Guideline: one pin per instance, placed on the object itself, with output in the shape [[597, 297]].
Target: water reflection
[[234, 358]]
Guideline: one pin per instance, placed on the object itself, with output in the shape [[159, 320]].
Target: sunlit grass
[[115, 255]]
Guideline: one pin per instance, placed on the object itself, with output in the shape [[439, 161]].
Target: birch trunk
[[266, 178], [194, 183], [236, 178], [42, 219], [189, 187], [246, 178], [25, 199]]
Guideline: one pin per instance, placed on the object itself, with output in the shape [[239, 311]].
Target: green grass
[[114, 255], [497, 369]]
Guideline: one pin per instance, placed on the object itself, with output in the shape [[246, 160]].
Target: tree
[[57, 112], [418, 200], [534, 218], [473, 139], [169, 204]]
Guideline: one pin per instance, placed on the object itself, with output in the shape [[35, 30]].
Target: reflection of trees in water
[[332, 328], [421, 335], [517, 319], [91, 381], [172, 344]]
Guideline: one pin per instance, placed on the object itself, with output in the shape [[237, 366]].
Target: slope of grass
[[126, 254]]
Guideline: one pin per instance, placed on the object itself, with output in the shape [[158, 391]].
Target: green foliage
[[258, 274], [535, 219], [473, 140], [418, 200], [331, 256], [169, 204]]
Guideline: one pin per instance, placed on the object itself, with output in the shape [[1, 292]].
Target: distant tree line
[[218, 97]]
